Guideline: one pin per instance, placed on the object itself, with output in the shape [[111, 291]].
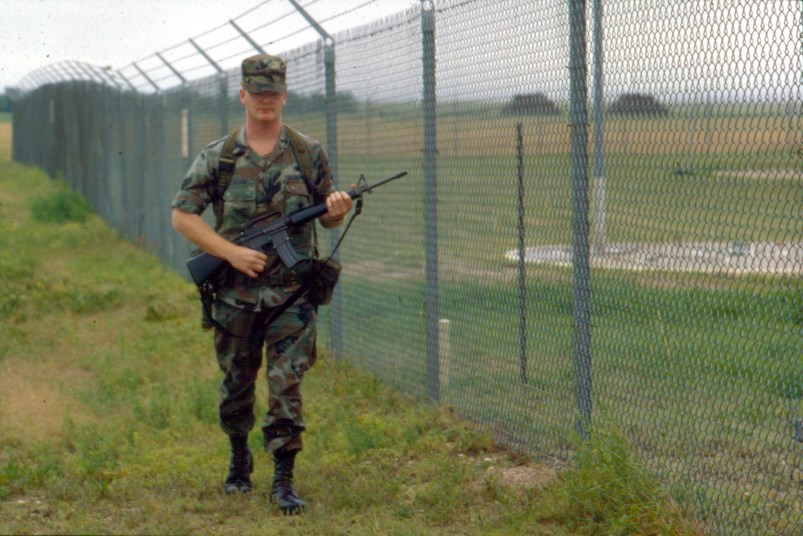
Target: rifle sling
[[300, 291]]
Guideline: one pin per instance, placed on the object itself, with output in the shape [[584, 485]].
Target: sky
[[682, 50], [36, 33]]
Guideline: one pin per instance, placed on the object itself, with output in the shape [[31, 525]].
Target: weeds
[[607, 491], [61, 206]]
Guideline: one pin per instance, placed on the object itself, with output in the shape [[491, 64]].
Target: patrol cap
[[264, 72]]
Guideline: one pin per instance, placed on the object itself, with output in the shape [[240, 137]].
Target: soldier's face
[[266, 106]]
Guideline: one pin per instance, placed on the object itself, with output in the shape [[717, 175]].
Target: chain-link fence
[[601, 225]]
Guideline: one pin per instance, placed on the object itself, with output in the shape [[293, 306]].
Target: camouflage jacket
[[259, 185]]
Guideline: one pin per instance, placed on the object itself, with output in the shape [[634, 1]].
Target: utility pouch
[[321, 281], [207, 292]]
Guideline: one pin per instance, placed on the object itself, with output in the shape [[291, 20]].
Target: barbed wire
[[213, 51]]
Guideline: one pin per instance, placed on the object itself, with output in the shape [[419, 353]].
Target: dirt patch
[[5, 141], [37, 388], [449, 268], [524, 476], [32, 406], [377, 271], [706, 257]]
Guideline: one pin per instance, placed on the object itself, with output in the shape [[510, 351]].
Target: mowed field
[[702, 369], [485, 132]]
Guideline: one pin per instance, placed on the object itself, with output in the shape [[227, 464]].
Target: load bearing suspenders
[[226, 167], [227, 162]]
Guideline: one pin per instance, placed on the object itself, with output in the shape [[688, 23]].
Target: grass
[[477, 209], [703, 381], [108, 425], [61, 206]]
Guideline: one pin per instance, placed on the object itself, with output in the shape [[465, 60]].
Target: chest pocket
[[239, 201], [296, 195]]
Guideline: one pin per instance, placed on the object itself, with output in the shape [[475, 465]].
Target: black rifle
[[273, 234]]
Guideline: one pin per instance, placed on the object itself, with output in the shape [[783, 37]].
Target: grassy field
[[108, 425], [705, 382], [701, 370]]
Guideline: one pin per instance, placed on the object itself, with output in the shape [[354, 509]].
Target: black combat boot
[[240, 467], [283, 491]]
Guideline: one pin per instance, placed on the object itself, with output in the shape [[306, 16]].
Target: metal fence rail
[[601, 227]]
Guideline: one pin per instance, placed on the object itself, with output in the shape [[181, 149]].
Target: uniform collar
[[241, 147]]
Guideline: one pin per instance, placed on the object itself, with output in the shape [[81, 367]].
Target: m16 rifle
[[259, 235]]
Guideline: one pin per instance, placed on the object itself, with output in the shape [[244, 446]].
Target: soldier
[[267, 176]]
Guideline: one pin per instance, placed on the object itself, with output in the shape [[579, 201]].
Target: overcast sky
[[731, 50], [35, 33]]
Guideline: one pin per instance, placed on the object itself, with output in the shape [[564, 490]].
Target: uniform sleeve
[[324, 183], [198, 188]]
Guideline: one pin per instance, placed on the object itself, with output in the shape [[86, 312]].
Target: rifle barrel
[[380, 183], [308, 214]]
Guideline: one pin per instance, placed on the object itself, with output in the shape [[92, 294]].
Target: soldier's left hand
[[338, 204]]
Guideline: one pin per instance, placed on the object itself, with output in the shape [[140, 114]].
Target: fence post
[[581, 352], [430, 197], [247, 37], [522, 273], [336, 306], [146, 77], [224, 103], [600, 233]]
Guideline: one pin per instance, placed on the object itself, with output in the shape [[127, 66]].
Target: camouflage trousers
[[289, 343]]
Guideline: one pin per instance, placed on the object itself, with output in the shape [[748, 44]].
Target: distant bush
[[316, 103], [531, 104], [637, 104], [61, 206]]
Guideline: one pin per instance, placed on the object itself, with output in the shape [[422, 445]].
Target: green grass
[[701, 380], [61, 206], [108, 425], [647, 200]]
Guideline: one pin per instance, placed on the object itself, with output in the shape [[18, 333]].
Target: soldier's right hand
[[247, 260]]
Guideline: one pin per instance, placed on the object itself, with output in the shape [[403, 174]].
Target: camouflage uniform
[[261, 185]]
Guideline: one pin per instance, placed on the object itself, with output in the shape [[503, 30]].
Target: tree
[[5, 103], [637, 105], [530, 104], [316, 103]]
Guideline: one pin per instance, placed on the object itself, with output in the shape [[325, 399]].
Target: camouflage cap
[[264, 72]]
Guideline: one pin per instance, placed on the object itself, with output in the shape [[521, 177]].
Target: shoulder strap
[[225, 170], [301, 150], [227, 161]]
